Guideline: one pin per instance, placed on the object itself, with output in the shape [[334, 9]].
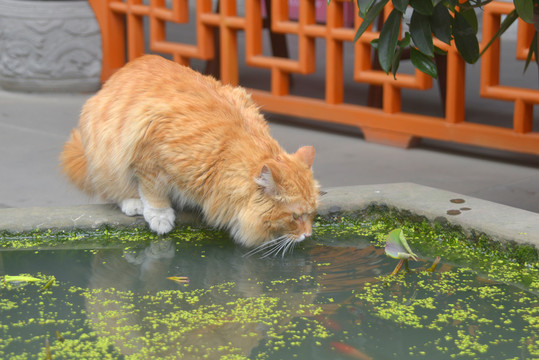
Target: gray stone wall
[[49, 46]]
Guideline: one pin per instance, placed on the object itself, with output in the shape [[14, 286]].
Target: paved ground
[[33, 128]]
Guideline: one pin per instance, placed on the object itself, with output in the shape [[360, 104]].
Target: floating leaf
[[20, 278], [397, 247], [48, 284]]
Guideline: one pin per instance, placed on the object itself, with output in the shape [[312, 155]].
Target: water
[[321, 302]]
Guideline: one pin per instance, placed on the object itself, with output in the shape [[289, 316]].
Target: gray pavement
[[33, 128]]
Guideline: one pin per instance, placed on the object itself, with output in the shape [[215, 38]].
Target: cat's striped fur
[[159, 134]]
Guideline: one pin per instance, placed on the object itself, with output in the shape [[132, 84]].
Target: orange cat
[[159, 134]]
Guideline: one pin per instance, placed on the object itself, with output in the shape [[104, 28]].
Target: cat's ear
[[266, 181], [306, 155]]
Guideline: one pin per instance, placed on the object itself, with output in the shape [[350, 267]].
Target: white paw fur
[[132, 207], [160, 220]]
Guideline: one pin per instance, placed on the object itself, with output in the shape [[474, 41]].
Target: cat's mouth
[[282, 244]]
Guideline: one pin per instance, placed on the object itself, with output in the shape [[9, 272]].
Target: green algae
[[103, 237], [507, 262], [463, 315], [169, 324], [453, 312]]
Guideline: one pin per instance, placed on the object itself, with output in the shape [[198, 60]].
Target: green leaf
[[388, 39], [439, 51], [401, 45], [396, 62], [400, 5], [405, 41], [440, 23], [506, 23], [471, 17], [364, 6], [374, 44], [524, 10], [423, 63], [48, 284], [421, 33], [465, 39], [451, 4], [397, 247], [371, 14], [424, 7], [531, 51], [20, 278]]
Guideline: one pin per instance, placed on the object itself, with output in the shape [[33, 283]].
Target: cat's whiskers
[[263, 246], [282, 244], [276, 249], [290, 247]]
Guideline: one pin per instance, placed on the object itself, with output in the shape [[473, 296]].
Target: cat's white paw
[[132, 207], [160, 220]]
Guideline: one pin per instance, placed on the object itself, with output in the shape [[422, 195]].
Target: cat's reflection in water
[[143, 273], [316, 270]]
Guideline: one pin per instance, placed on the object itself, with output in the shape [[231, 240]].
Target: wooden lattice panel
[[524, 99], [123, 39]]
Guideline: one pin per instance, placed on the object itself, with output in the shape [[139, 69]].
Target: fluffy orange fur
[[159, 134]]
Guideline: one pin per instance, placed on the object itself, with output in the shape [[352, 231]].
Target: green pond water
[[331, 298]]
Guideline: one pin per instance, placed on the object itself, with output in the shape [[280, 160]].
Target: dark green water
[[319, 302]]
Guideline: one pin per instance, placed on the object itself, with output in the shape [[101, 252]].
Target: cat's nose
[[307, 229]]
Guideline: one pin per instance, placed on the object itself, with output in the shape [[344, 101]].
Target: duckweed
[[115, 302]]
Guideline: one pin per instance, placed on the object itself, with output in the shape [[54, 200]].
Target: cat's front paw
[[131, 207], [160, 220]]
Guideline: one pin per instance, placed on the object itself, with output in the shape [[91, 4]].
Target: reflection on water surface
[[320, 302]]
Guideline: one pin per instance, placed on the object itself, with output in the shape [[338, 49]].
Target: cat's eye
[[295, 216]]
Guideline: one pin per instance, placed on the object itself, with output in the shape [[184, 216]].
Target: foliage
[[397, 247], [447, 20]]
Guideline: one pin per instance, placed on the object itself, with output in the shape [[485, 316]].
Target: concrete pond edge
[[499, 222]]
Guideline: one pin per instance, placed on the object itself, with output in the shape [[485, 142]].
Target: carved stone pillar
[[52, 46]]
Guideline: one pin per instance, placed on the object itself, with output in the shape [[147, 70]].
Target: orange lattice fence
[[124, 37]]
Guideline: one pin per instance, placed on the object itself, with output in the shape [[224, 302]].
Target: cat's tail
[[73, 162]]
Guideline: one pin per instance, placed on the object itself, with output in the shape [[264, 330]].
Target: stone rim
[[499, 222]]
